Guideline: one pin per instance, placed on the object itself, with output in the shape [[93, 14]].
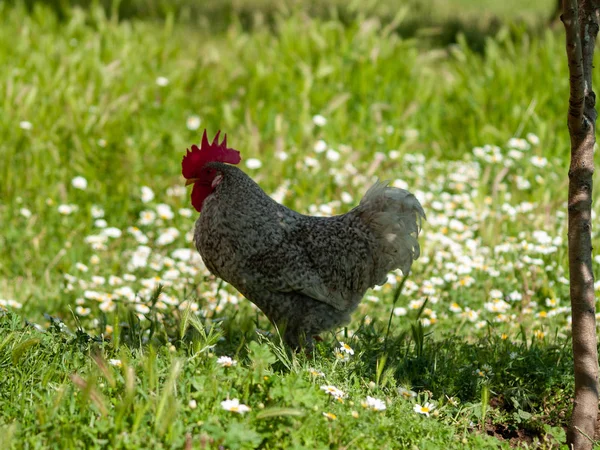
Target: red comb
[[194, 160]]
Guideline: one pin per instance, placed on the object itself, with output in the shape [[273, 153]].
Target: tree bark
[[580, 18]]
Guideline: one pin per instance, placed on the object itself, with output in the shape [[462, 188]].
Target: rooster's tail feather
[[394, 217]]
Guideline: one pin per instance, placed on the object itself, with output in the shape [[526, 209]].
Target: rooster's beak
[[190, 181]]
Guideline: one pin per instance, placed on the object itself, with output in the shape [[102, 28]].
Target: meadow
[[114, 334]]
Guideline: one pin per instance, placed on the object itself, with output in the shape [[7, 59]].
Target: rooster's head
[[206, 179]]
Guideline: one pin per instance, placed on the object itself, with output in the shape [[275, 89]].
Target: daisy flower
[[315, 372], [234, 405], [374, 404], [424, 409], [333, 391], [406, 393], [79, 183], [226, 361], [345, 348]]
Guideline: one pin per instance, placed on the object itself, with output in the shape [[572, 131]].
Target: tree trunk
[[580, 18]]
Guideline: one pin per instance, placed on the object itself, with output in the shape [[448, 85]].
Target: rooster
[[307, 274]]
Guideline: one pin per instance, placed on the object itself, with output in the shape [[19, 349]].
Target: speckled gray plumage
[[307, 274]]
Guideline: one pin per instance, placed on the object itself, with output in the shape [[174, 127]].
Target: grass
[[433, 21], [112, 329], [222, 12]]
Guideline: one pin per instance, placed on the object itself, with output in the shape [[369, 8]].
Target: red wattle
[[199, 193]]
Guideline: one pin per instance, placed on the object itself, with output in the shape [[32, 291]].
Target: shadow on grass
[[526, 380]]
